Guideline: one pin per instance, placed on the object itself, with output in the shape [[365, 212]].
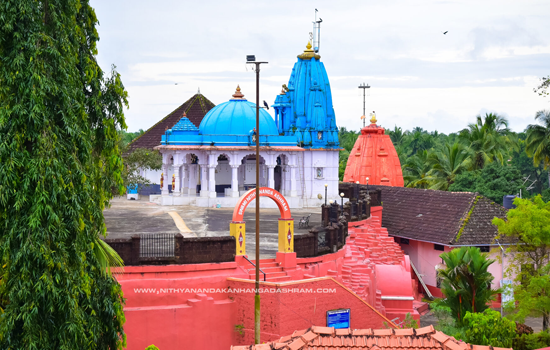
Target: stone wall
[[206, 250], [306, 245], [186, 250]]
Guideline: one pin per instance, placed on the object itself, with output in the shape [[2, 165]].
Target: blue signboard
[[338, 318]]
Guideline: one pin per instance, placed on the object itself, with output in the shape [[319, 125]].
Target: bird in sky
[[266, 105], [445, 32]]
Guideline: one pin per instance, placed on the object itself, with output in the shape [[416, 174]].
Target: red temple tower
[[374, 156]]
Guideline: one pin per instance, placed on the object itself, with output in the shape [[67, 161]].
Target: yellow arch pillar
[[286, 235], [237, 230]]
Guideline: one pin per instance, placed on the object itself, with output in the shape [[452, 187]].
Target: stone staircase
[[273, 272]]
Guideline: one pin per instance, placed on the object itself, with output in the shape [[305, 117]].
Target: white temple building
[[214, 164]]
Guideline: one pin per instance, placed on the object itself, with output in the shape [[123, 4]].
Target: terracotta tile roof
[[448, 218], [195, 108], [373, 339]]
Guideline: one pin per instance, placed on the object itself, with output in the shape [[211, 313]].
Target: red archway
[[249, 196]]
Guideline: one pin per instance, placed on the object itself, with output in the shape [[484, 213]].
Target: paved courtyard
[[128, 217]]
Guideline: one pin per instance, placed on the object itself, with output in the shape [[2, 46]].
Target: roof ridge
[[160, 121]]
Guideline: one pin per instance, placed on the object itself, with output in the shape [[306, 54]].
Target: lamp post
[[367, 184], [364, 87], [342, 195], [326, 186], [251, 59]]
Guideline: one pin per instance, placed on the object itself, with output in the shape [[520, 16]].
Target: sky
[[490, 60]]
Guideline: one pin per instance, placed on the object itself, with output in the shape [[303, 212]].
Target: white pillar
[[192, 172], [293, 192], [164, 189], [235, 181], [271, 176], [204, 180], [176, 191], [212, 180], [283, 179], [183, 180]]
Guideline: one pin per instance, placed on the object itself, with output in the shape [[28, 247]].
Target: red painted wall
[[200, 323], [283, 313]]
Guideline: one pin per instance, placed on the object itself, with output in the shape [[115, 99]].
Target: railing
[[254, 265], [157, 245], [430, 296]]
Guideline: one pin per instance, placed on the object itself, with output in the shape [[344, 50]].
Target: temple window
[[319, 173]]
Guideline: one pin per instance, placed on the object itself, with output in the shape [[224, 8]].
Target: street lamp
[[326, 186], [251, 59], [342, 195], [367, 184]]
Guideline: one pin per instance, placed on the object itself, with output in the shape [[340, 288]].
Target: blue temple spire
[[305, 108]]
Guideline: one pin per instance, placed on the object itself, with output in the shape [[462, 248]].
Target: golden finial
[[373, 118], [238, 95], [309, 53]]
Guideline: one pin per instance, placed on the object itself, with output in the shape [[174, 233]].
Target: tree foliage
[[538, 140], [494, 181], [466, 282], [542, 89], [140, 159], [489, 328], [528, 226], [60, 160]]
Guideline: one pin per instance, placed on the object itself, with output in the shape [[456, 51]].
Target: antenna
[[317, 33]]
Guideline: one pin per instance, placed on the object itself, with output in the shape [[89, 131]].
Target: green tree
[[494, 181], [127, 137], [488, 139], [416, 171], [528, 227], [542, 89], [534, 177], [538, 140], [466, 282], [140, 159], [489, 328], [59, 116], [449, 162], [347, 141]]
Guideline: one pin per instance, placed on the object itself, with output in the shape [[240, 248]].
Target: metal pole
[[252, 60], [257, 296], [363, 86]]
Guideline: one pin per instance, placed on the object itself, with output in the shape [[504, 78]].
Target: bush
[[489, 328], [445, 320], [532, 341], [152, 347]]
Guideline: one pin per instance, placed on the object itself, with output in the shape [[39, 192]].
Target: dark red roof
[[195, 108], [328, 338], [448, 218]]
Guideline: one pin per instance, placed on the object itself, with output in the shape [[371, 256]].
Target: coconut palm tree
[[489, 139], [538, 140], [466, 281], [447, 163], [397, 135], [416, 171]]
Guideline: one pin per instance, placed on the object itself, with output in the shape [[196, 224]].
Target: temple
[[214, 164], [373, 159]]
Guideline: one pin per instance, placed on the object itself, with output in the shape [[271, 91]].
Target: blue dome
[[236, 117]]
